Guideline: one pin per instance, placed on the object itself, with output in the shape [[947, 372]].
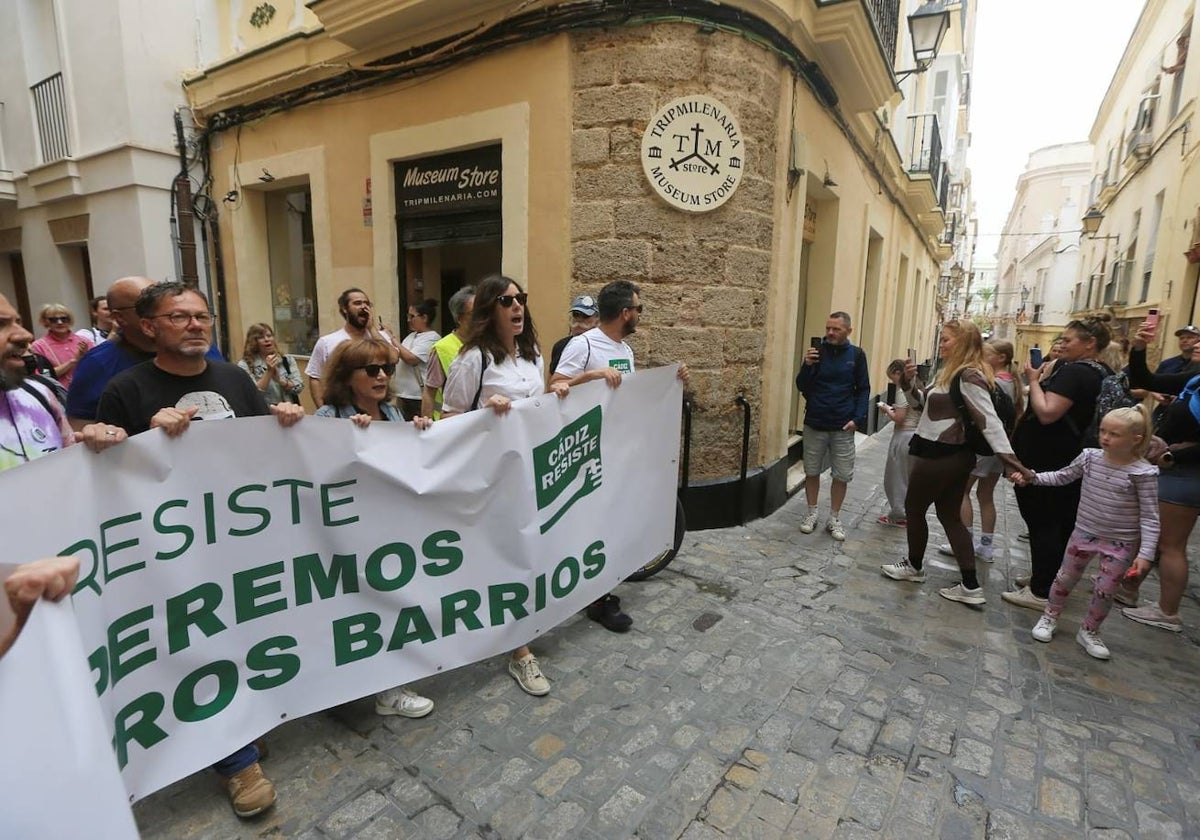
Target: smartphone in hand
[[891, 393], [815, 342], [1152, 318], [1035, 356]]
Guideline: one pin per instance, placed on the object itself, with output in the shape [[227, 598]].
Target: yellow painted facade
[[1145, 180]]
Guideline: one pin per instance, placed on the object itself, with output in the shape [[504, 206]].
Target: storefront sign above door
[[449, 183], [693, 153]]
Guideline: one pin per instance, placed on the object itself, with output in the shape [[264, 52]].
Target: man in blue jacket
[[836, 389]]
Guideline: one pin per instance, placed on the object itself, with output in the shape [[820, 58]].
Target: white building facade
[[1038, 258], [87, 145]]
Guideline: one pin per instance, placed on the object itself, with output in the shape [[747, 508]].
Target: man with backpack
[[836, 388]]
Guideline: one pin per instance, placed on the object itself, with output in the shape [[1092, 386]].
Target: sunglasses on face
[[374, 370], [59, 319], [637, 309], [507, 300]]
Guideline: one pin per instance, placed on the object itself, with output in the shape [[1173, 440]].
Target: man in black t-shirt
[[168, 392]]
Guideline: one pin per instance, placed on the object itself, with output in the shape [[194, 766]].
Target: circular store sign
[[693, 154]]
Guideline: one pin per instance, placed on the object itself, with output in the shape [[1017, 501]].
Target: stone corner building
[[411, 148]]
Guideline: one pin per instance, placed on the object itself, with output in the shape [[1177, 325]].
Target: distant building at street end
[[1038, 259]]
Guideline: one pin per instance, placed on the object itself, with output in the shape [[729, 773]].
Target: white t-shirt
[[911, 417], [593, 350], [515, 378], [410, 378], [324, 348]]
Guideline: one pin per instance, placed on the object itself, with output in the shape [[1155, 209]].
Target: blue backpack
[[1189, 395]]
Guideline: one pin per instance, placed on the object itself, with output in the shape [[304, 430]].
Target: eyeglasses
[[507, 300], [182, 319], [637, 309], [59, 319], [373, 370]]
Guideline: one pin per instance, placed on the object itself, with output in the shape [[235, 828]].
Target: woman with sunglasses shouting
[[358, 387], [500, 362]]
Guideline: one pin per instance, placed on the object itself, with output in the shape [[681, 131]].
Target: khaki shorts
[[829, 450]]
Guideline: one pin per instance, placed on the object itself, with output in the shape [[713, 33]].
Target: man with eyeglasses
[[355, 309], [602, 353], [127, 346], [178, 386]]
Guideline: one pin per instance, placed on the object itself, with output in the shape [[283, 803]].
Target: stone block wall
[[704, 276]]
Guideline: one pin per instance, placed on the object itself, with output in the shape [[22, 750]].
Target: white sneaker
[[1024, 597], [1043, 631], [903, 570], [984, 552], [528, 675], [401, 701], [809, 523], [945, 550], [1092, 643], [962, 595], [836, 529]]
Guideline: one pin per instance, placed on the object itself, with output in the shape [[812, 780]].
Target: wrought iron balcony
[[885, 14], [925, 152], [50, 108]]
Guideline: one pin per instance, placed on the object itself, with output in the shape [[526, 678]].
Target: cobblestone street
[[773, 685]]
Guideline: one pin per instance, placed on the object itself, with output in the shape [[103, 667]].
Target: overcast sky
[[1041, 68]]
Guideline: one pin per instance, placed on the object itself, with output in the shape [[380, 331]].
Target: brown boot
[[250, 792]]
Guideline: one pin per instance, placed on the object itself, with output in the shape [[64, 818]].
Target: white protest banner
[[245, 574], [54, 733]]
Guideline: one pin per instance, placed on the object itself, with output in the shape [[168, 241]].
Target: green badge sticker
[[621, 365], [568, 465]]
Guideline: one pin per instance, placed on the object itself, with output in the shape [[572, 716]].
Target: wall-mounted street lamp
[[1091, 222], [927, 26]]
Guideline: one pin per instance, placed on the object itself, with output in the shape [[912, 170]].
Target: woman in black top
[[1178, 485], [1048, 437]]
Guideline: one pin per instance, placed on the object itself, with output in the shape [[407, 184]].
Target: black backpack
[[1114, 393], [1003, 404]]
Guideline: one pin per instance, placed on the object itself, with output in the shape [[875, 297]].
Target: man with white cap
[[584, 315], [1186, 361]]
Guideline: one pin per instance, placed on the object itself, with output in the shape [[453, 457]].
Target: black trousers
[[1049, 512]]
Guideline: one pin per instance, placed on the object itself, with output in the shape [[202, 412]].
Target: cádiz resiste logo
[[568, 465], [693, 153]]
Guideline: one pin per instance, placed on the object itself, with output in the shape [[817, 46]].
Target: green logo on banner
[[567, 466]]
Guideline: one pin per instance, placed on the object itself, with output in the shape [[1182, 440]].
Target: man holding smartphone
[[836, 388]]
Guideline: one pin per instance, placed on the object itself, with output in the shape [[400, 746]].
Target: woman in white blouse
[[500, 362]]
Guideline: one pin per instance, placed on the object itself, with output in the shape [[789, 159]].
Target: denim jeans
[[237, 762]]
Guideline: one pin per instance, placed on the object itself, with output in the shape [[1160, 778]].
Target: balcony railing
[[885, 14], [50, 107], [925, 151]]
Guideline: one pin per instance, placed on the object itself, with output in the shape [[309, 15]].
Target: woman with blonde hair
[[998, 355], [942, 461], [276, 374], [60, 344]]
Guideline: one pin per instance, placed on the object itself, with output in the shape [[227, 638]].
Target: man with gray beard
[[32, 423]]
